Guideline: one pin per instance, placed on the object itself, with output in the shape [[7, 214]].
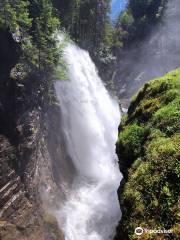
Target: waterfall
[[90, 210]]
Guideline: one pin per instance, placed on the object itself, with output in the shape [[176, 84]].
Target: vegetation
[[87, 21], [149, 135], [149, 153], [32, 24], [136, 20]]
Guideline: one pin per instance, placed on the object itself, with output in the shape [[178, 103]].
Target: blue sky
[[117, 7]]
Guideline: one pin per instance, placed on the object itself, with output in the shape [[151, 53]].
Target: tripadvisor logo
[[139, 231]]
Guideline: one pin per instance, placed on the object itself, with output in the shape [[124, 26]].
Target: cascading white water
[[90, 121]]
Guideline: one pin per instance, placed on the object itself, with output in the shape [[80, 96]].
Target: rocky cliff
[[24, 150], [149, 152]]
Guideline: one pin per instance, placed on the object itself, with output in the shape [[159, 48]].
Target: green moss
[[154, 95], [136, 163], [131, 139], [167, 118], [149, 155], [130, 142]]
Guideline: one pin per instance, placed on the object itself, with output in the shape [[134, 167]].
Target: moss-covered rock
[[149, 156]]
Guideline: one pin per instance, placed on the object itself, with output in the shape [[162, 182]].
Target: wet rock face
[[52, 229], [21, 213], [9, 50], [9, 55], [25, 167]]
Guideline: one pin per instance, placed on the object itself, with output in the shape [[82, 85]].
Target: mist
[[152, 57]]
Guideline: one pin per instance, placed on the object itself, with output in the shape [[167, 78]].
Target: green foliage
[[150, 196], [32, 24], [14, 15], [167, 118], [126, 20], [44, 27], [87, 21], [135, 21], [149, 8], [155, 94], [130, 142]]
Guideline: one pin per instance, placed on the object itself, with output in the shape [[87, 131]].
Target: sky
[[117, 7]]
